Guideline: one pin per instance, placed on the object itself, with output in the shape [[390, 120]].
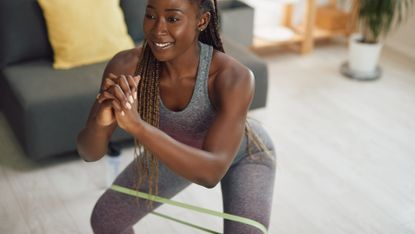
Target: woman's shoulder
[[230, 73], [124, 62]]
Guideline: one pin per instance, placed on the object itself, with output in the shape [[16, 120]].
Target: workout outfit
[[247, 187]]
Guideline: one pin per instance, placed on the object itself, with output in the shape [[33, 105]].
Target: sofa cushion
[[255, 64], [80, 36], [23, 33], [46, 107], [134, 11]]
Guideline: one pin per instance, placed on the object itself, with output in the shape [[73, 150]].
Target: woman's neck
[[185, 65]]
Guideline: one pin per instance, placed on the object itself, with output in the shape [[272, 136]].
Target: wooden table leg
[[308, 41], [288, 14]]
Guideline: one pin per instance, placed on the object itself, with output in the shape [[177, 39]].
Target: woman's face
[[171, 27]]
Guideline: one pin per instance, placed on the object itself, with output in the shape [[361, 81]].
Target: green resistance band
[[154, 198]]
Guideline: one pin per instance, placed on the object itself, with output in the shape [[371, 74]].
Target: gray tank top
[[190, 125]]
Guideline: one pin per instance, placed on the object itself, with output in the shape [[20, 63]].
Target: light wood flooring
[[346, 159]]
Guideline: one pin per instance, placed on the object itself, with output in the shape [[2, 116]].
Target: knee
[[98, 220], [104, 221]]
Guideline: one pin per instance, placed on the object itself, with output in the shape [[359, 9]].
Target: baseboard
[[408, 53]]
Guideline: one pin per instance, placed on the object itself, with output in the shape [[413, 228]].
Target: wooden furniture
[[306, 34]]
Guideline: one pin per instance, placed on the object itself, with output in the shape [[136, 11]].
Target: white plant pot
[[363, 57]]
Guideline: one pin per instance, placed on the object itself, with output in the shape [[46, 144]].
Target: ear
[[203, 21]]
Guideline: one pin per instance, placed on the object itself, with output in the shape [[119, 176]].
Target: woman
[[185, 102]]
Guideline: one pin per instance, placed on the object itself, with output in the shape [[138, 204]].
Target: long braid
[[148, 107], [148, 100]]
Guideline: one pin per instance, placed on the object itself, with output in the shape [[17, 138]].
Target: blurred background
[[335, 88]]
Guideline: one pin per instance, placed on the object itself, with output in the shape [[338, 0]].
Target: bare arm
[[93, 140]]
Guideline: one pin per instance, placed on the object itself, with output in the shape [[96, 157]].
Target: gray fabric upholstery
[[23, 32], [47, 107], [236, 11], [134, 11], [257, 66]]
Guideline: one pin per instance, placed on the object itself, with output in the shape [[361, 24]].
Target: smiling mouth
[[163, 45]]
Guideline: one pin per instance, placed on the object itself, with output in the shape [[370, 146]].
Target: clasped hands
[[118, 100]]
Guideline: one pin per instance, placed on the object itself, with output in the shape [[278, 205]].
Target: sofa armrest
[[255, 64]]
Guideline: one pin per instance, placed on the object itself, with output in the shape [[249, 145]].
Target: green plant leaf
[[378, 17]]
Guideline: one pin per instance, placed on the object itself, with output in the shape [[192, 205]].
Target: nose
[[160, 27]]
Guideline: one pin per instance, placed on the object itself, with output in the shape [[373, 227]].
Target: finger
[[132, 83], [112, 76], [123, 83], [116, 105], [126, 88], [120, 96], [133, 86], [105, 96], [137, 79], [109, 76], [107, 84], [132, 92]]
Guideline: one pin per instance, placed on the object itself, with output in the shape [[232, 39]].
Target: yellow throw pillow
[[85, 31]]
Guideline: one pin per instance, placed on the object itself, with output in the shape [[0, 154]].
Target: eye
[[172, 19], [150, 16]]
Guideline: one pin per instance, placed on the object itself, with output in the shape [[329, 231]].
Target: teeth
[[162, 44]]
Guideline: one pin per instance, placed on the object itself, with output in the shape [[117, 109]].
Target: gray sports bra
[[190, 125]]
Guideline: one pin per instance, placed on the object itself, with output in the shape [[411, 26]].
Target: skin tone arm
[[92, 141], [234, 91]]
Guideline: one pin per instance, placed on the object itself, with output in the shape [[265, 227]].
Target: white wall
[[403, 39]]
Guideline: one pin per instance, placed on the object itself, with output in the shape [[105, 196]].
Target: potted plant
[[375, 19]]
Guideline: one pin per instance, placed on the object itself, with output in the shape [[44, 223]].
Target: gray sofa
[[46, 108]]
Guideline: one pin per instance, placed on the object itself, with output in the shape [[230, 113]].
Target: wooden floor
[[346, 159]]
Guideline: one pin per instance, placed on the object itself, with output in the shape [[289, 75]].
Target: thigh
[[247, 190], [117, 212]]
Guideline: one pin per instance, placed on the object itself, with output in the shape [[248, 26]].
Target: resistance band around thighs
[[154, 198]]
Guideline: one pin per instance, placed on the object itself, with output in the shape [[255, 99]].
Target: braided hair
[[148, 96]]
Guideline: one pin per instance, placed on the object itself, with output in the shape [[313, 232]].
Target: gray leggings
[[247, 190]]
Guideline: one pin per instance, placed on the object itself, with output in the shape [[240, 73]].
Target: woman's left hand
[[125, 103]]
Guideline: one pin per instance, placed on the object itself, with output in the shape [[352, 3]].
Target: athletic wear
[[247, 187]]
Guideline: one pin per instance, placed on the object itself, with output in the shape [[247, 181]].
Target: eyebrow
[[169, 9]]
